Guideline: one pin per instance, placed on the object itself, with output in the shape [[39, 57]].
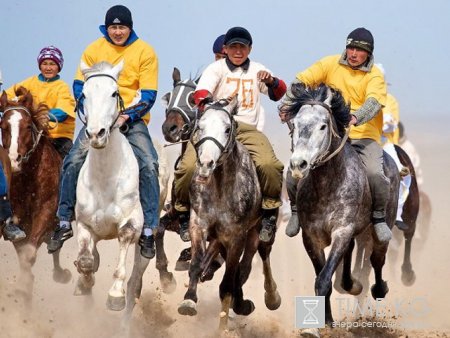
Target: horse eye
[[323, 127], [114, 94], [227, 130]]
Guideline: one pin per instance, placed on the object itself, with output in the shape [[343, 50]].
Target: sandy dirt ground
[[55, 312]]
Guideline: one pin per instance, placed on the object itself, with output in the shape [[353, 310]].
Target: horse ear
[[3, 101], [83, 67], [176, 76], [165, 99], [327, 101], [117, 69], [232, 104]]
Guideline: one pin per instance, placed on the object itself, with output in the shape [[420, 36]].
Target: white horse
[[108, 204]]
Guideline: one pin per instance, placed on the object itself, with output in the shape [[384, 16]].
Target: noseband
[[36, 134], [223, 149], [174, 105], [326, 156]]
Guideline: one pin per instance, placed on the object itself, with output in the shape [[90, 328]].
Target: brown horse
[[35, 180]]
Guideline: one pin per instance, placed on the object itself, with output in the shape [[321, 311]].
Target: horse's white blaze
[[14, 122]]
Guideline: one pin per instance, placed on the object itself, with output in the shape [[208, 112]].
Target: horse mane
[[301, 95], [99, 67], [39, 112]]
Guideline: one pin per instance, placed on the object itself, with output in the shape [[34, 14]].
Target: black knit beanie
[[118, 15], [361, 38]]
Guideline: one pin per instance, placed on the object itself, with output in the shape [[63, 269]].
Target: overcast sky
[[411, 39]]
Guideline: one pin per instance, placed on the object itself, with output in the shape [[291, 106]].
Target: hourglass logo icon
[[310, 312]]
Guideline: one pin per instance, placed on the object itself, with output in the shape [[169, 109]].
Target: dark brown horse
[[180, 119], [35, 179]]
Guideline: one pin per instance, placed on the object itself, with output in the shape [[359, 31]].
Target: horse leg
[[26, 254], [85, 262], [189, 305], [408, 274], [377, 259], [134, 286], [243, 306], [348, 283], [211, 253], [229, 282], [116, 294], [166, 278], [317, 256], [272, 298], [60, 275]]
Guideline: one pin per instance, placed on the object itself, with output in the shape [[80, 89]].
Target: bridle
[[326, 155], [228, 145], [120, 104], [174, 105], [36, 134]]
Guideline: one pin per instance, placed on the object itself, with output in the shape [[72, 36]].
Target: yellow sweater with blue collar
[[55, 93]]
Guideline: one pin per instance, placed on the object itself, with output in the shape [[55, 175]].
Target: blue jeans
[[147, 158]]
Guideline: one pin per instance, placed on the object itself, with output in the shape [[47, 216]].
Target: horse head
[[180, 109], [214, 135], [101, 101], [22, 126], [319, 117]]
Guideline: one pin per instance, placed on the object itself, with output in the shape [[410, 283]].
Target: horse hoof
[[115, 303], [408, 277], [379, 291], [85, 265], [182, 265], [310, 333], [168, 283], [187, 308], [244, 308], [272, 300], [82, 290], [356, 288], [62, 276]]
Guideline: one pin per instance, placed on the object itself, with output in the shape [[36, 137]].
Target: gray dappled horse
[[225, 209], [333, 198]]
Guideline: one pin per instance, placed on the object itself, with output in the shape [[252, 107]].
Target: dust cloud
[[56, 312]]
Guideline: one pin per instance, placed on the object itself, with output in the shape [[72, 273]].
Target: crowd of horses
[[333, 196]]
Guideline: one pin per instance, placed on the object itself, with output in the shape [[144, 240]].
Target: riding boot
[[62, 233], [11, 232], [184, 226], [293, 227], [147, 244], [268, 224], [382, 231]]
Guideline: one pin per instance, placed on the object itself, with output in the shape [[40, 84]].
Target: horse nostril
[[101, 132], [210, 164], [87, 133], [173, 128], [19, 158], [303, 164]]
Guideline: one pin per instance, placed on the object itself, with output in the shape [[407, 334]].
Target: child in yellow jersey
[[48, 88]]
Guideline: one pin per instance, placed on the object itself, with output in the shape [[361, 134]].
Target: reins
[[326, 156]]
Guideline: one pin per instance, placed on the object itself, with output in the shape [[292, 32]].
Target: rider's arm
[[277, 89], [368, 111]]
